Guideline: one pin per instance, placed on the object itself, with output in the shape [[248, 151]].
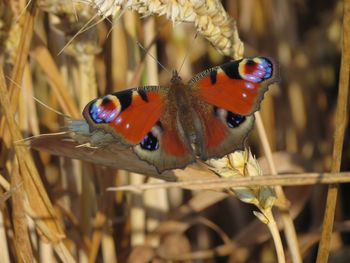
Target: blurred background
[[76, 55]]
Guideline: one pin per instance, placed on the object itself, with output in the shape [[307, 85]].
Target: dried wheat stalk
[[208, 16]]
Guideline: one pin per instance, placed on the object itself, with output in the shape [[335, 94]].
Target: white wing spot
[[119, 120], [249, 85]]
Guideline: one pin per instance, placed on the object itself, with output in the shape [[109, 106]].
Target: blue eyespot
[[234, 120], [99, 114], [149, 142], [95, 113]]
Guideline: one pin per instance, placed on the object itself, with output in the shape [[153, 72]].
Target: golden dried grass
[[143, 225]]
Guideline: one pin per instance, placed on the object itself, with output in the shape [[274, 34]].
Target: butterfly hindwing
[[222, 131], [237, 86], [172, 150]]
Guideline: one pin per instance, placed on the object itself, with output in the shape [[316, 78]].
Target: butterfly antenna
[[189, 47], [51, 109], [40, 102], [149, 54]]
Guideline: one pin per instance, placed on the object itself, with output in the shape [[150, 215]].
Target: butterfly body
[[169, 126]]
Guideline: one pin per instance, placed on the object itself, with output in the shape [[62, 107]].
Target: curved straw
[[340, 126], [289, 228]]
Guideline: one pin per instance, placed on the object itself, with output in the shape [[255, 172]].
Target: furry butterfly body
[[169, 126]]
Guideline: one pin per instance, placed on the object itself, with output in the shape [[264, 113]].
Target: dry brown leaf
[[101, 218], [173, 246], [112, 155], [141, 254]]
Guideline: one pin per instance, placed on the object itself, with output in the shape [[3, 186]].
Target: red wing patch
[[237, 86], [172, 143], [165, 146], [215, 131], [222, 131], [128, 114]]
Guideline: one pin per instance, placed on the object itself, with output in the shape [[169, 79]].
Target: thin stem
[[251, 181], [289, 228], [275, 235], [20, 60], [40, 202], [341, 122]]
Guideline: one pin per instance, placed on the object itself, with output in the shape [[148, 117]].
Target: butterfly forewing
[[128, 115], [237, 86]]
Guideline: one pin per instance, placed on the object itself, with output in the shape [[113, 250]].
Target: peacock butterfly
[[169, 126]]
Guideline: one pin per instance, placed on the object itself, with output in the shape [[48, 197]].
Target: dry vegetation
[[54, 208]]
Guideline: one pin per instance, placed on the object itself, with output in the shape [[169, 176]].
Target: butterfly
[[208, 117]]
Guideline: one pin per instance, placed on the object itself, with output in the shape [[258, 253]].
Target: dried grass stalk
[[23, 247], [6, 16], [43, 57], [243, 164], [40, 205], [4, 246], [237, 182], [289, 228], [20, 59], [341, 118]]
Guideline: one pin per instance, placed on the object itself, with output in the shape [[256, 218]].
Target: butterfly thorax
[[180, 97]]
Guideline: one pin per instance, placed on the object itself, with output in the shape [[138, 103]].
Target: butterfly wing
[[165, 146], [237, 86], [228, 96], [140, 118], [222, 131]]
